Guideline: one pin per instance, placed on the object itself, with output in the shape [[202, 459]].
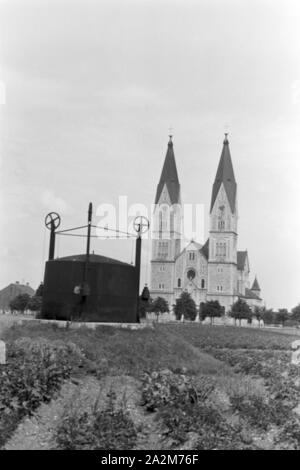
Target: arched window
[[172, 222], [179, 282], [221, 225], [221, 249], [202, 283]]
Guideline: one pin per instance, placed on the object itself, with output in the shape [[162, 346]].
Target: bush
[[165, 387], [34, 371], [290, 434], [258, 412], [108, 429], [182, 404]]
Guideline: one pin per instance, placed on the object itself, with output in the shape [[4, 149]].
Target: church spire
[[255, 285], [169, 176], [225, 175]]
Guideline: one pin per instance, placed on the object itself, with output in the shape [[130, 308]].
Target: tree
[[145, 306], [185, 306], [19, 303], [296, 313], [240, 310], [258, 313], [39, 291], [268, 316], [142, 307], [145, 302], [159, 305], [34, 303], [282, 316], [211, 309]]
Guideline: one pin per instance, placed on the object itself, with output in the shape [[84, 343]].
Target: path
[[36, 432]]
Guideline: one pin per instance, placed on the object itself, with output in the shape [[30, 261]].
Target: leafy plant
[[34, 371], [165, 387], [108, 429], [258, 412], [290, 433], [182, 405]]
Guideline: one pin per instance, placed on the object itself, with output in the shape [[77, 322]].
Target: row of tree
[[186, 306], [24, 302], [240, 310]]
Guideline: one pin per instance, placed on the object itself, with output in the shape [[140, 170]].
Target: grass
[[203, 336], [133, 352]]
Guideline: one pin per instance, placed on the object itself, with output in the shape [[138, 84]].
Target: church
[[213, 271]]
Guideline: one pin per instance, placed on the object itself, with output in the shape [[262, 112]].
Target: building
[[11, 291], [213, 271]]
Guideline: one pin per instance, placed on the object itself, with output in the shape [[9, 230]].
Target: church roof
[[255, 285], [225, 175], [169, 177], [193, 245], [205, 249], [241, 259], [249, 294]]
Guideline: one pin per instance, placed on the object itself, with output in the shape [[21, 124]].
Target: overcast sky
[[91, 89]]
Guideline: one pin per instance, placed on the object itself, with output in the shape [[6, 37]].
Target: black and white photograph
[[149, 239]]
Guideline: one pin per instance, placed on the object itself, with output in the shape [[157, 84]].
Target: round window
[[191, 274]]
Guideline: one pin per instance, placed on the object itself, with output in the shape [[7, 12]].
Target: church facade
[[213, 271]]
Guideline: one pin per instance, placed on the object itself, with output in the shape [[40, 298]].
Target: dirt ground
[[36, 432]]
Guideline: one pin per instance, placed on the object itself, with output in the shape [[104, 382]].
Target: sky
[[89, 90]]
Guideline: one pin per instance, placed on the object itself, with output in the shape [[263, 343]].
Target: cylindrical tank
[[111, 288]]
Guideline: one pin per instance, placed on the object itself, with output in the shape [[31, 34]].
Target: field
[[177, 386]]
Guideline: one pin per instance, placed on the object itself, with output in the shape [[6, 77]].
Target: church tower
[[166, 232], [222, 261]]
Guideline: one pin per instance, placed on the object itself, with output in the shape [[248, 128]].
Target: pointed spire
[[169, 176], [255, 285], [225, 175]]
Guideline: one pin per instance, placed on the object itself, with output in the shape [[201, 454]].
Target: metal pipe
[[88, 243], [85, 291], [52, 241], [138, 249]]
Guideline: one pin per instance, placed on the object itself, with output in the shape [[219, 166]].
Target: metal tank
[[109, 293]]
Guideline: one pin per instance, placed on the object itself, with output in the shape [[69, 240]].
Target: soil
[[37, 431]]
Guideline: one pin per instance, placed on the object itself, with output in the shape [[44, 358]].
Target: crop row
[[33, 373]]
